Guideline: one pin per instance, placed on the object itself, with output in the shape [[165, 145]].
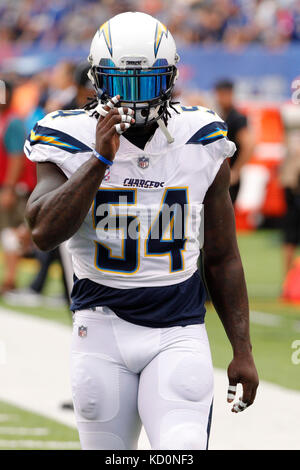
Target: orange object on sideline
[[291, 286], [274, 205], [244, 220], [25, 98], [266, 124]]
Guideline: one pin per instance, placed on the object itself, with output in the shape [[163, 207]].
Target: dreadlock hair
[[91, 103]]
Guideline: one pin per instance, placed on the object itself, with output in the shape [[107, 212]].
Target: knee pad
[[185, 436], [100, 441], [85, 401], [189, 379], [95, 388]]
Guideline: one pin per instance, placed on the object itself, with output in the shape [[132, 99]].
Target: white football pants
[[125, 375]]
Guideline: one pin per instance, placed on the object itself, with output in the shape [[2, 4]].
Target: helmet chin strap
[[164, 129]]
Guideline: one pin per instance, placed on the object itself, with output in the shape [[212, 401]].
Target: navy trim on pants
[[209, 423]]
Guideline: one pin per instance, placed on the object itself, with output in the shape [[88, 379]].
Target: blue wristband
[[102, 159]]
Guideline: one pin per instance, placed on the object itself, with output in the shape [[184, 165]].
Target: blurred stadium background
[[253, 44]]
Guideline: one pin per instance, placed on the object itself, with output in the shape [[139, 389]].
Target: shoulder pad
[[202, 126], [56, 130], [59, 135]]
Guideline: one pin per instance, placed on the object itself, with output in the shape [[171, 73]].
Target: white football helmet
[[134, 55]]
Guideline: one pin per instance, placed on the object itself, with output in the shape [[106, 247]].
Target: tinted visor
[[135, 84]]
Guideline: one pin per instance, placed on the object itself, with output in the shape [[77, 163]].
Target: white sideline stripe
[[6, 417], [269, 319], [19, 431], [297, 326], [35, 345], [266, 319], [36, 378], [28, 444]]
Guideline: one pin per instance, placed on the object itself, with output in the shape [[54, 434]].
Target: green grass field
[[274, 326], [23, 430]]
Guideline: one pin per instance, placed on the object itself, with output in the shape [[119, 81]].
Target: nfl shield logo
[[82, 331], [143, 162]]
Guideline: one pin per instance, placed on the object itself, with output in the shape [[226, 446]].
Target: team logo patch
[[82, 331], [143, 162]]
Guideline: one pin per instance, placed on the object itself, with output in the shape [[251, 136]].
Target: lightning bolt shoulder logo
[[105, 30], [160, 30]]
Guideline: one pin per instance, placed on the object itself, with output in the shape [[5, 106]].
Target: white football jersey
[[128, 238]]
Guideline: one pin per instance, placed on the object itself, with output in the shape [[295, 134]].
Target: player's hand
[[242, 370], [112, 123]]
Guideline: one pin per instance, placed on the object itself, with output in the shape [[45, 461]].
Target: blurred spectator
[[235, 22], [13, 189], [238, 132], [25, 96], [290, 180], [34, 294], [63, 89], [84, 87]]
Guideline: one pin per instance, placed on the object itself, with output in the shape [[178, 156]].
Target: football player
[[125, 181]]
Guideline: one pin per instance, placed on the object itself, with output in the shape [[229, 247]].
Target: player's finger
[[100, 110], [120, 128], [112, 117], [103, 109], [117, 129], [126, 118], [247, 393], [110, 104], [254, 393], [231, 392], [239, 406], [115, 118], [126, 111], [114, 100], [246, 400]]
